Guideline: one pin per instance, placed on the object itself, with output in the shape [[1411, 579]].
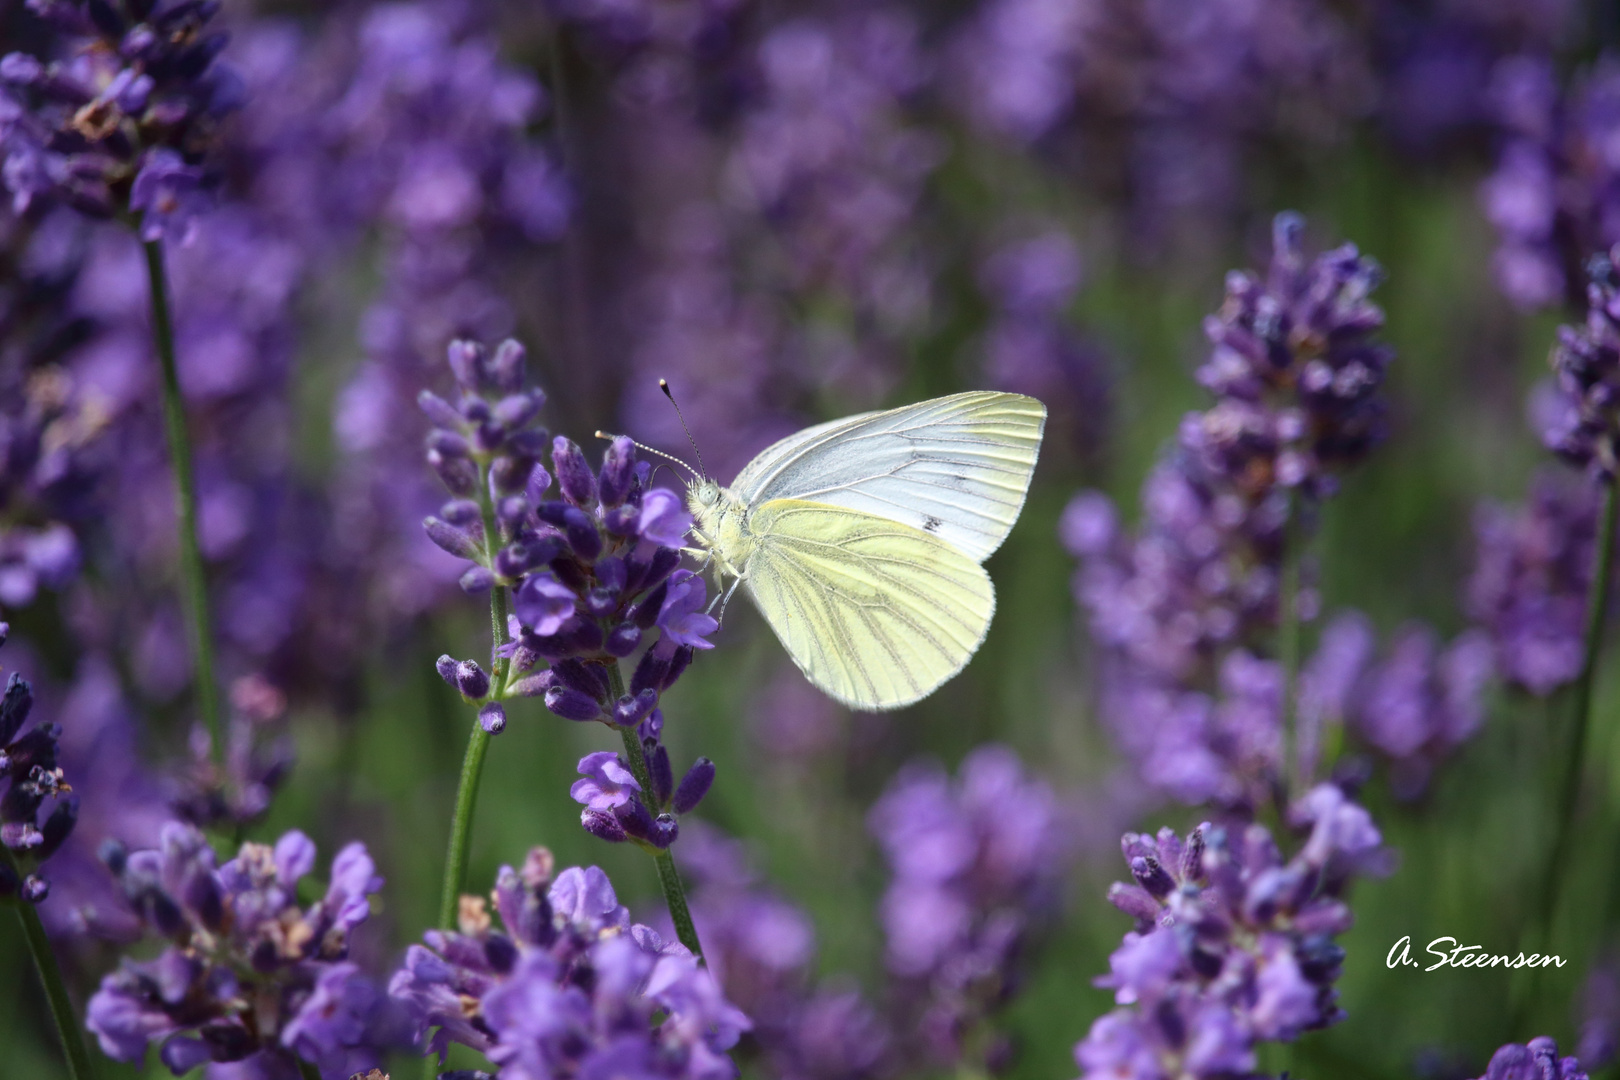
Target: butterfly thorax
[[720, 519]]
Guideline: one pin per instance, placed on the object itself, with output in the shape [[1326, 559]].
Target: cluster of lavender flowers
[[122, 122], [1552, 195], [593, 570], [246, 974], [33, 779], [1233, 945], [567, 986], [977, 866], [1180, 609]]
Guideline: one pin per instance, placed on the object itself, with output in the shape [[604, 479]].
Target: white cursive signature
[[1463, 956]]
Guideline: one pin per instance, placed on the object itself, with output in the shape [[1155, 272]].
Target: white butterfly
[[860, 540]]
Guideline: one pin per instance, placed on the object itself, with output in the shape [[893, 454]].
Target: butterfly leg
[[727, 599]]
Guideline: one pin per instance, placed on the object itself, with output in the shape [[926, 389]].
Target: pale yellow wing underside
[[877, 614]]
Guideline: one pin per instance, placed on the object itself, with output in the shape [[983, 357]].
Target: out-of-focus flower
[[124, 118], [1552, 196], [1298, 379], [977, 864], [1536, 1060], [248, 975], [1531, 578], [1583, 424], [568, 987]]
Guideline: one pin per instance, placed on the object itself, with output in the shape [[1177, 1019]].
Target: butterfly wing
[[876, 614], [957, 467]]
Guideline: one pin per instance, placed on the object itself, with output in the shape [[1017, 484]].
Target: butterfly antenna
[[663, 384], [651, 450]]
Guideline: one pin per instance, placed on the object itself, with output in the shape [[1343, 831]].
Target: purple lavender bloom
[[607, 782], [977, 865], [1297, 379], [170, 197], [1422, 702], [1536, 1060], [1531, 579], [681, 617], [137, 95], [762, 949], [33, 779], [238, 935], [1586, 363], [569, 986], [1232, 945], [1552, 195]]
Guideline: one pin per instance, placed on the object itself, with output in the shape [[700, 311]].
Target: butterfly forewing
[[956, 467], [877, 614]]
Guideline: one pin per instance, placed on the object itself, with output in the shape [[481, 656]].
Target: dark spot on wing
[[931, 523]]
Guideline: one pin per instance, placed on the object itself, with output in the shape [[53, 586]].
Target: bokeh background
[[795, 211]]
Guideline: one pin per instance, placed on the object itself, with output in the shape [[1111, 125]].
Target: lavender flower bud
[[531, 685], [509, 474], [602, 825], [461, 513], [492, 718], [447, 444], [618, 472], [573, 474], [515, 410], [459, 475], [636, 819], [511, 512], [664, 831], [629, 710], [588, 679], [467, 364], [571, 704], [659, 772], [477, 581], [472, 680], [505, 369], [538, 483], [645, 613], [650, 672], [694, 785], [1151, 876], [623, 639], [438, 410], [446, 666], [457, 542]]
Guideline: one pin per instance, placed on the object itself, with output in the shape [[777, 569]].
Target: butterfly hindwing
[[957, 467], [877, 614]]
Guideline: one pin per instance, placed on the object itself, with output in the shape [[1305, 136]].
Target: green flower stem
[[308, 1071], [67, 1025], [1580, 711], [194, 582], [472, 765], [668, 877]]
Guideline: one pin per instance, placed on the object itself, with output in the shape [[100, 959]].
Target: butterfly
[[861, 540]]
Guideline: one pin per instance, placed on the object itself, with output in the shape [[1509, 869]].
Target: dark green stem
[[668, 877], [194, 581], [1580, 712], [308, 1071], [472, 765], [67, 1025]]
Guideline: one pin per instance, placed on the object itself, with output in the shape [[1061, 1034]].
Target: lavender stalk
[[669, 878], [68, 1029], [194, 584], [472, 764], [1581, 708]]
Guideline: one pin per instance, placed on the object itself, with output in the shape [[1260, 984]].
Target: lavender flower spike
[[1536, 1060]]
